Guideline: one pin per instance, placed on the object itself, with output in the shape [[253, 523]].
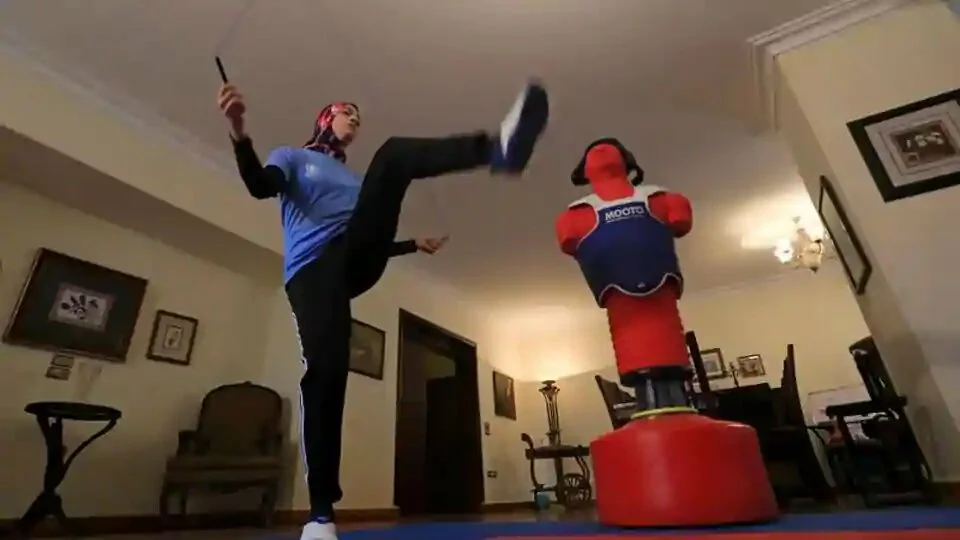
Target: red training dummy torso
[[646, 330], [608, 179]]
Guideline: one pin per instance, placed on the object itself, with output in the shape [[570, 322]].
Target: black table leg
[[537, 486], [584, 467], [49, 503], [558, 487], [46, 504], [859, 479]]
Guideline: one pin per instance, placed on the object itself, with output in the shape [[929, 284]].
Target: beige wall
[[911, 301], [121, 473], [246, 334], [816, 312]]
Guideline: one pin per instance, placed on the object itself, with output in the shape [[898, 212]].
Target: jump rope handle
[[223, 73]]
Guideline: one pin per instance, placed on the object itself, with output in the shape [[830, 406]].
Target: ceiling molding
[[764, 48], [113, 103]]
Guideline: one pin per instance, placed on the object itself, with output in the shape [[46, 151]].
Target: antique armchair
[[236, 445]]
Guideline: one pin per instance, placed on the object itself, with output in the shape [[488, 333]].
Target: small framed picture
[[368, 345], [172, 338], [713, 363], [912, 149], [504, 400], [750, 366], [60, 367]]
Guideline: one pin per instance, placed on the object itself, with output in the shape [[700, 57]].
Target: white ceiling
[[667, 77]]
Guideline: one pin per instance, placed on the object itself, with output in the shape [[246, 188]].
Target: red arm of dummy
[[674, 210], [572, 225]]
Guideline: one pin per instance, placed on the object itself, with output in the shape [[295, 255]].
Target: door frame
[[474, 454]]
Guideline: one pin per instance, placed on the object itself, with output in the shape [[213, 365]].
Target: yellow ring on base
[[665, 410]]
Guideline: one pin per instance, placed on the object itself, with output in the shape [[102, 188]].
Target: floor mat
[[924, 534], [892, 524]]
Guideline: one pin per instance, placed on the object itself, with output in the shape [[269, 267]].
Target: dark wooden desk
[[754, 405], [761, 407]]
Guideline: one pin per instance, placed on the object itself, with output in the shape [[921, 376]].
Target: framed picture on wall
[[504, 396], [172, 338], [750, 366], [713, 363], [849, 250], [367, 350], [912, 149], [76, 307]]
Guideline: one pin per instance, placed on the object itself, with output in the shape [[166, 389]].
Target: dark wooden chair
[[236, 445], [795, 471], [620, 404], [698, 385], [904, 474]]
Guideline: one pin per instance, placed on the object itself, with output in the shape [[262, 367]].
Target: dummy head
[[607, 158], [335, 128]]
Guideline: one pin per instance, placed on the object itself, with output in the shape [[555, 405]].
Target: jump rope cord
[[340, 40], [231, 30]]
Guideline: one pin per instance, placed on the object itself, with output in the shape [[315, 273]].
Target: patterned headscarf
[[323, 139]]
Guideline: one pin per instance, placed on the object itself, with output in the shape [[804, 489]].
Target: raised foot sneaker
[[319, 531], [520, 131]]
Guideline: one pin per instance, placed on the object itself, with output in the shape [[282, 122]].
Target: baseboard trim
[[949, 491], [152, 524], [508, 507]]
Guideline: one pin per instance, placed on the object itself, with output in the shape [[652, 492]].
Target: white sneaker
[[319, 531]]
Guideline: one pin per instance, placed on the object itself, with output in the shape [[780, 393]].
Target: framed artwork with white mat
[[912, 149]]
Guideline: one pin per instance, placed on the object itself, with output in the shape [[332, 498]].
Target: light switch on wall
[[486, 428], [60, 367]]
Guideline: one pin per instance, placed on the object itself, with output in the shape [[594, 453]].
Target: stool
[[50, 415]]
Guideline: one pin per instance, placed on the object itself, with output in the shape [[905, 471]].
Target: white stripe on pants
[[303, 361]]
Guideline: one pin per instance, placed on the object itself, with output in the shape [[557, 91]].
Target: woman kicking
[[339, 229]]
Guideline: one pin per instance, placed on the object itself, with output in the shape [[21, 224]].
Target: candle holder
[[549, 392], [734, 371]]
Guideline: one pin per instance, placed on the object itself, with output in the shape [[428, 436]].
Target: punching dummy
[[661, 468], [623, 237]]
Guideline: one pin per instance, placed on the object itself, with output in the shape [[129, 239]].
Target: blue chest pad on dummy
[[629, 250]]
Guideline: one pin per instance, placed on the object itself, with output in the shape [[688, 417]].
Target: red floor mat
[[953, 534]]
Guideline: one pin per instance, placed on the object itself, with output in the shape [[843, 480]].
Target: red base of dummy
[[679, 470], [924, 534]]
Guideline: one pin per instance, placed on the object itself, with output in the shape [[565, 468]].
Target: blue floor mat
[[878, 520]]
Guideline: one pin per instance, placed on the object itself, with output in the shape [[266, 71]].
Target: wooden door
[[417, 336], [445, 455], [410, 448]]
